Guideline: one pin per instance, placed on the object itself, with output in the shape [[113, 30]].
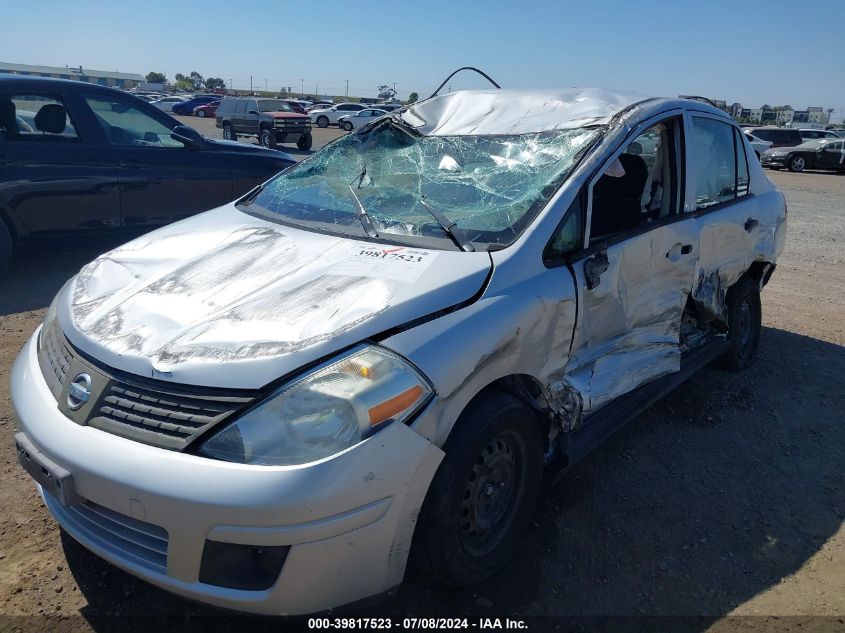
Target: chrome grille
[[149, 411], [164, 418], [127, 538], [54, 359]]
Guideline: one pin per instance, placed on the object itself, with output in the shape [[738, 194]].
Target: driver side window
[[126, 125], [637, 187]]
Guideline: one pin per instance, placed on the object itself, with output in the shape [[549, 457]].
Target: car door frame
[[728, 231], [90, 138], [581, 366]]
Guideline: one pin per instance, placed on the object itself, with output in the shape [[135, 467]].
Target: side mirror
[[188, 136], [594, 267]]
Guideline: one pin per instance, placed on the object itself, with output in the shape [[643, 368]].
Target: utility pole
[[265, 84], [450, 88], [230, 83], [302, 88], [316, 93], [347, 88], [250, 83]]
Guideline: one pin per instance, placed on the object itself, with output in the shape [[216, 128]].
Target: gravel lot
[[726, 498]]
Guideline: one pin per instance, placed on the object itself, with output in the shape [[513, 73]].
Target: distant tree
[[184, 84], [283, 92], [386, 93], [413, 97], [156, 78], [180, 77], [214, 82], [196, 79]]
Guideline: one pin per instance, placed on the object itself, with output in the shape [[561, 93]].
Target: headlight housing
[[329, 409]]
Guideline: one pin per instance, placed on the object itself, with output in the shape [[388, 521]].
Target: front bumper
[[348, 519], [773, 161]]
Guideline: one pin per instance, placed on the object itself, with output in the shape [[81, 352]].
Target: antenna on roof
[[480, 72]]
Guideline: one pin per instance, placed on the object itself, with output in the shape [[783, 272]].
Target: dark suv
[[778, 136], [272, 121]]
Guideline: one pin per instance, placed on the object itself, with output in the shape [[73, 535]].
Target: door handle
[[751, 223]]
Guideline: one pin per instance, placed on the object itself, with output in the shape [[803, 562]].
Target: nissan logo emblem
[[78, 391]]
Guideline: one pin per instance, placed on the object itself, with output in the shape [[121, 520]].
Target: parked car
[[325, 117], [272, 121], [839, 132], [387, 107], [351, 121], [187, 107], [377, 354], [812, 134], [207, 109], [79, 158], [165, 104], [319, 105], [296, 106], [757, 144], [818, 154], [777, 136]]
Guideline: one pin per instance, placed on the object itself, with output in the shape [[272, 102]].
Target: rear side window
[[789, 137], [240, 107], [763, 134], [720, 163], [34, 117]]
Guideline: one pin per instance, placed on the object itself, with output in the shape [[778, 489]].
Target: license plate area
[[57, 481]]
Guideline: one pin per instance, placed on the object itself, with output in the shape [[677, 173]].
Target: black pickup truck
[[273, 121]]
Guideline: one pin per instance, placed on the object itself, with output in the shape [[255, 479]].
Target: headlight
[[328, 410]]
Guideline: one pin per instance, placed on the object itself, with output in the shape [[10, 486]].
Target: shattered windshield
[[490, 187]]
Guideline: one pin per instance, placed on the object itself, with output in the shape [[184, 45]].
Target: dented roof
[[482, 112]]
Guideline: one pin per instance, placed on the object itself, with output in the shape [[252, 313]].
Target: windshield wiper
[[449, 228], [362, 214], [251, 196]]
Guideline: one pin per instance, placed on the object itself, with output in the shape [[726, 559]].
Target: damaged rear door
[[636, 273], [729, 218]]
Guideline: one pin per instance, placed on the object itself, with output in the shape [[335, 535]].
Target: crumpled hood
[[226, 299]]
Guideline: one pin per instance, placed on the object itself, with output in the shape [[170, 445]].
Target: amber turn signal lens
[[394, 406]]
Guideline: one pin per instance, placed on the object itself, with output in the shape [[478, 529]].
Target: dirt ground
[[725, 499]]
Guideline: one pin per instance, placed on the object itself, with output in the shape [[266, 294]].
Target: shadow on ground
[[708, 499]]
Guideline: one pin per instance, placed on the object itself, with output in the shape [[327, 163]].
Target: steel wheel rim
[[490, 493], [265, 139]]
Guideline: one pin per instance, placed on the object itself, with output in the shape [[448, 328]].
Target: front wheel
[[229, 133], [201, 114], [347, 126], [322, 121], [267, 139], [744, 325], [797, 163], [305, 142], [483, 494]]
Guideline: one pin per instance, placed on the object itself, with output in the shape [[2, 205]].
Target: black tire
[[266, 138], [229, 132], [304, 142], [347, 126], [744, 324], [796, 163], [322, 121], [466, 532], [201, 114], [6, 245]]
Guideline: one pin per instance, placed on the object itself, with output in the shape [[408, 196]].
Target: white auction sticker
[[398, 263]]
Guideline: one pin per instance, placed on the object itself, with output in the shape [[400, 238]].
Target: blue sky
[[753, 52]]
